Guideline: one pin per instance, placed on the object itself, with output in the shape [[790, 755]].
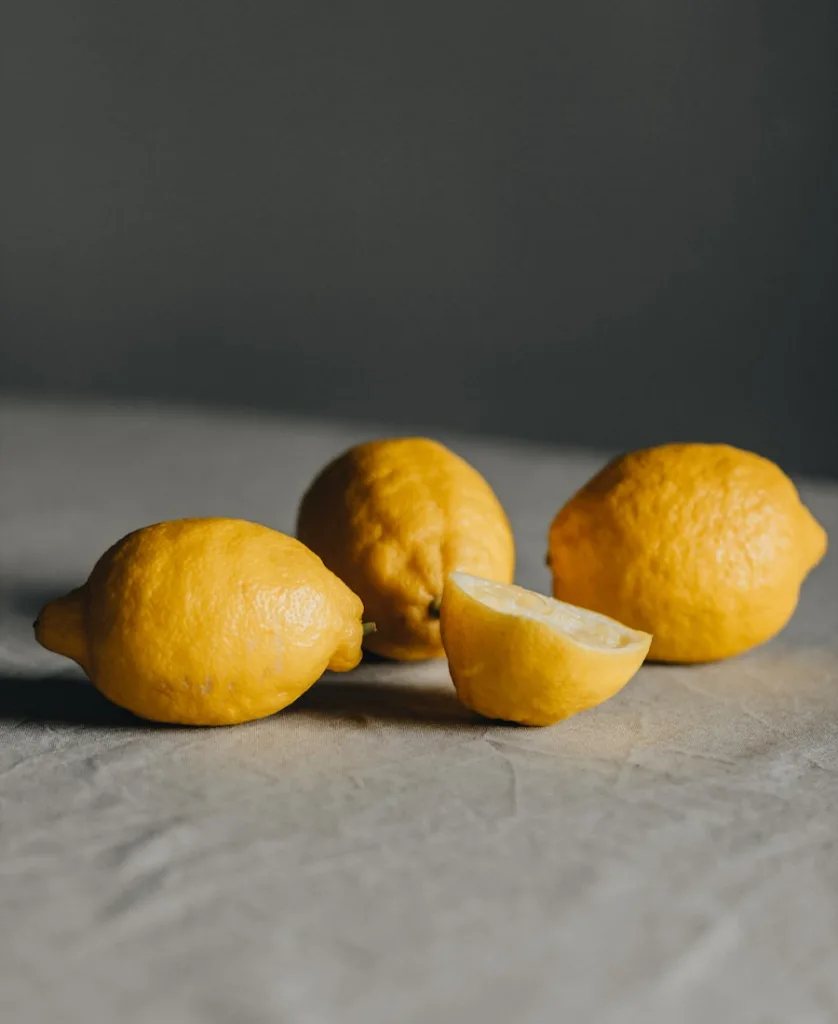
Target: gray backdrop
[[599, 223]]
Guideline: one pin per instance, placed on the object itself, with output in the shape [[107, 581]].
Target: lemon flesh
[[523, 657]]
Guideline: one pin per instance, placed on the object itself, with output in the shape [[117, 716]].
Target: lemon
[[206, 622], [392, 518], [523, 657], [703, 545]]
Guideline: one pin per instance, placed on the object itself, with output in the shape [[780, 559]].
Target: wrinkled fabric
[[376, 853]]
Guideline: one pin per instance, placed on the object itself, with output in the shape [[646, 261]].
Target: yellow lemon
[[520, 656], [392, 519], [703, 545], [206, 622]]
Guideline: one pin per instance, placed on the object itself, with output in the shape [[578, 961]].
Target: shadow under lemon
[[377, 695], [390, 700], [62, 700]]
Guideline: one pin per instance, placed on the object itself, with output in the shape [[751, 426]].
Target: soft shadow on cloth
[[386, 701], [72, 700], [61, 700]]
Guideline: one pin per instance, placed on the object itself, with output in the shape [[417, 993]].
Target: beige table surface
[[377, 854]]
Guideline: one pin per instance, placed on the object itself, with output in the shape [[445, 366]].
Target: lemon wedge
[[523, 657]]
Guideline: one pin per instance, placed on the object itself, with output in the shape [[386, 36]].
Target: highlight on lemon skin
[[522, 657], [206, 622]]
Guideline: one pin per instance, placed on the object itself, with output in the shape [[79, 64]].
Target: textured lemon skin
[[520, 670], [392, 518], [703, 545], [206, 622]]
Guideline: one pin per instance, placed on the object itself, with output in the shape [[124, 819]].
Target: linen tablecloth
[[376, 853]]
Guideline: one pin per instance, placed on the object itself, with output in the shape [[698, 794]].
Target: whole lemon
[[703, 545], [392, 518], [206, 622]]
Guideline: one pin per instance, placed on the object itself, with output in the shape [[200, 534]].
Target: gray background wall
[[598, 223]]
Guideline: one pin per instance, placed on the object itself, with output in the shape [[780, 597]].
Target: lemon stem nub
[[369, 627], [434, 606], [61, 627]]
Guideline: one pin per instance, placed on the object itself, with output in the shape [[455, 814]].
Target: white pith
[[584, 627]]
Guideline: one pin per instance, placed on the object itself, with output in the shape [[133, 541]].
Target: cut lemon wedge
[[523, 657]]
